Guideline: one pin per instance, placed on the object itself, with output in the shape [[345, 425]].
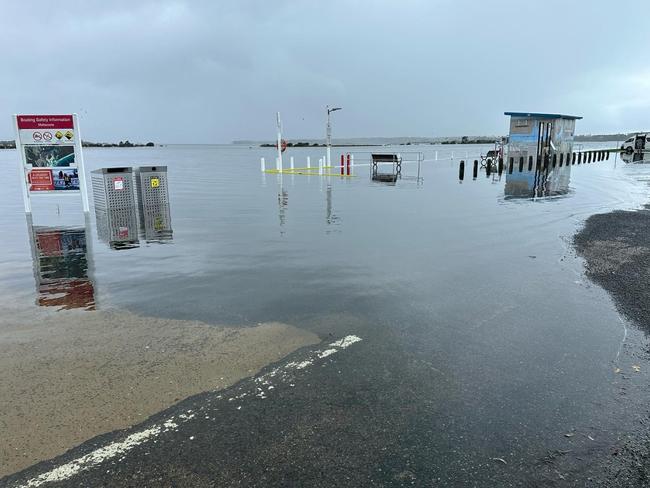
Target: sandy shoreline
[[68, 376]]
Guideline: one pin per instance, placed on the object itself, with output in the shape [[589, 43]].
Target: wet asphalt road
[[349, 418], [311, 428]]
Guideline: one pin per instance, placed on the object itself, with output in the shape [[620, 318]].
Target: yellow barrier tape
[[308, 173]]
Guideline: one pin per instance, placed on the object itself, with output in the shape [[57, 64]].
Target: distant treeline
[[12, 144], [112, 144], [603, 137], [468, 140], [296, 144]]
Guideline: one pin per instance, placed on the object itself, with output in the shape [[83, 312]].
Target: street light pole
[[328, 134]]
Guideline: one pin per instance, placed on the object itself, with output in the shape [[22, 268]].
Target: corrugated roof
[[539, 115]]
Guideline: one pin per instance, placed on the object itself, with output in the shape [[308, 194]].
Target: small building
[[540, 134]]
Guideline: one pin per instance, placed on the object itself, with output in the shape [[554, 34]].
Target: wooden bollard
[[530, 163], [538, 163], [561, 159], [500, 166], [546, 161], [475, 170], [554, 160], [461, 171], [521, 164], [510, 165], [488, 169], [607, 154]]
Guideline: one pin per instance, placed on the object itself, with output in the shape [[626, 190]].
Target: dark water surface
[[469, 296]]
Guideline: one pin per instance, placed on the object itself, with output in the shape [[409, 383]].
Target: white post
[[320, 166], [291, 161], [351, 164], [262, 165], [79, 159], [21, 169], [436, 155], [308, 162], [452, 155], [328, 138], [279, 141], [277, 164]]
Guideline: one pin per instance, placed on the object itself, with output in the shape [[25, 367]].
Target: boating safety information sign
[[50, 156]]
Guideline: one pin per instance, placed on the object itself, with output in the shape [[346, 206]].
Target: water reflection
[[637, 157], [118, 227], [155, 222], [283, 203], [537, 182], [330, 216], [62, 266]]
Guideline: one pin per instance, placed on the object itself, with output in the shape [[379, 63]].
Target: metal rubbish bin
[[115, 207], [113, 188], [152, 195]]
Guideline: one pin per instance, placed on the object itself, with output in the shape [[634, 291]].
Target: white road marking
[[114, 449]]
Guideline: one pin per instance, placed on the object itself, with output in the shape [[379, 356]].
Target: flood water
[[471, 286]]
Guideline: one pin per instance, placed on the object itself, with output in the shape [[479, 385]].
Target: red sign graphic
[[118, 183], [45, 122], [49, 244], [283, 146], [40, 180]]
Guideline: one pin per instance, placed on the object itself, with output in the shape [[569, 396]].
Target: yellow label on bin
[[155, 182]]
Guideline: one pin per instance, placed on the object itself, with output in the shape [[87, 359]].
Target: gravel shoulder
[[616, 249]]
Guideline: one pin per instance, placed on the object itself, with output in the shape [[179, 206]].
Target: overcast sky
[[214, 71]]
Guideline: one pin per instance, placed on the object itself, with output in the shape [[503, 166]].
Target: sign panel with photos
[[49, 148]]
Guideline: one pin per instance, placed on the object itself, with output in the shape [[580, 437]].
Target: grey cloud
[[200, 71]]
